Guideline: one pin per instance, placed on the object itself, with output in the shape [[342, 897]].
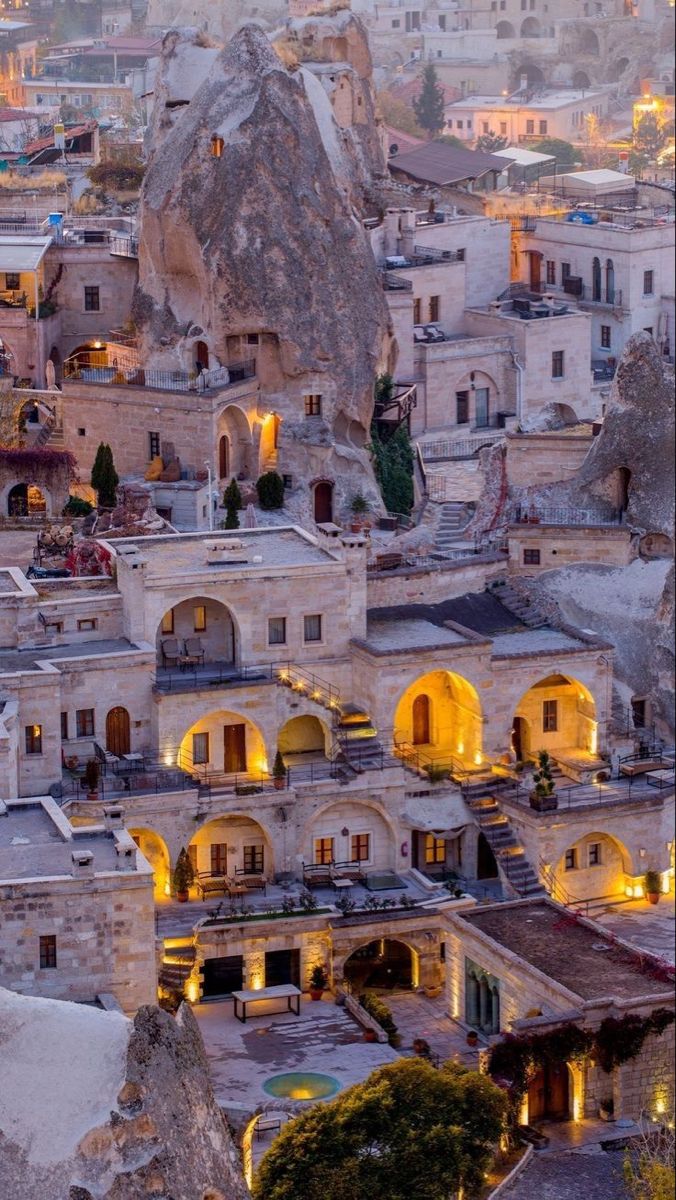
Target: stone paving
[[16, 547], [324, 1038], [417, 1016], [592, 1174], [647, 926]]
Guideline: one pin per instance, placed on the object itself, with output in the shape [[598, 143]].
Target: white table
[[343, 884], [283, 991]]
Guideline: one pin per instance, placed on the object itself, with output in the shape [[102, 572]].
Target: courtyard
[[649, 927]]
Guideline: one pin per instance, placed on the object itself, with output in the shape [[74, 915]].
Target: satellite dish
[[394, 149]]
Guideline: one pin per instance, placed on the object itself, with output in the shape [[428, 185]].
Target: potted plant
[[279, 772], [543, 798], [421, 1047], [183, 876], [318, 982], [370, 1035], [358, 507], [651, 886], [472, 1037], [92, 776], [607, 1109]]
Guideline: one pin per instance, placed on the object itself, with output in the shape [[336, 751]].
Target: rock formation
[[630, 466], [249, 238], [218, 18], [97, 1107]]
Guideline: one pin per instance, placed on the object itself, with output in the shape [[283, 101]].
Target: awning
[[444, 816], [22, 253]]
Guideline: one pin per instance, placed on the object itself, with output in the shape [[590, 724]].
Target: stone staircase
[[176, 967], [452, 521], [523, 608], [360, 748], [509, 853]]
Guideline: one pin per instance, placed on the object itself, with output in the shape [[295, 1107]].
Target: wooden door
[[421, 721], [323, 503], [535, 270], [117, 732], [224, 457], [234, 749], [548, 1095]]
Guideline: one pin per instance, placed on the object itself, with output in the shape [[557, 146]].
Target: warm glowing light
[[257, 979], [301, 1094], [193, 990], [167, 888], [629, 891], [98, 345], [665, 881], [638, 891], [461, 747], [477, 759], [593, 739], [168, 760]]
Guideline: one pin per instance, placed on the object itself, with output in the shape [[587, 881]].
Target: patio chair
[[194, 649], [253, 880], [171, 651]]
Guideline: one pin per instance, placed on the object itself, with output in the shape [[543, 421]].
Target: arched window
[[610, 281], [596, 279]]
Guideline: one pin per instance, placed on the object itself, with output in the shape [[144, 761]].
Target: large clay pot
[[653, 897], [316, 993], [182, 896], [370, 1035]]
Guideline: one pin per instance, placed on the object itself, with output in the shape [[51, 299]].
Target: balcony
[[79, 369], [210, 675]]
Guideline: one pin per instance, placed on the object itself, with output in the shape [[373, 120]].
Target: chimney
[[391, 225], [407, 232], [83, 864], [113, 817]]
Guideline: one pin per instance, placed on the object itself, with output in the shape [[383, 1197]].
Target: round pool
[[302, 1085]]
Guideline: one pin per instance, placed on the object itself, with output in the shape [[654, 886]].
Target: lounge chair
[[171, 651], [194, 650]]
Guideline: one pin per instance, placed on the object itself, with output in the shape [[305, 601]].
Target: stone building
[[76, 919]]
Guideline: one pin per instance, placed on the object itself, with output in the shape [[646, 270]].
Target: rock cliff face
[[249, 237], [630, 465], [97, 1107], [218, 18]]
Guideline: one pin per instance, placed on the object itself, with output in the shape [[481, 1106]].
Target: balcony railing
[[534, 514], [124, 247], [210, 675], [78, 369], [446, 450]]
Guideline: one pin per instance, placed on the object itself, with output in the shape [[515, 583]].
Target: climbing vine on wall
[[516, 1059]]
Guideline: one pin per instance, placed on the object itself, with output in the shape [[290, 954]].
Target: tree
[[232, 499], [649, 136], [429, 105], [565, 154], [393, 467], [408, 1130], [398, 115], [104, 477], [490, 142], [270, 489], [649, 1165]]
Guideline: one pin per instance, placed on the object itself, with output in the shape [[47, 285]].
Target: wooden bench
[[640, 766], [348, 870], [317, 875], [208, 884], [284, 991], [251, 880]]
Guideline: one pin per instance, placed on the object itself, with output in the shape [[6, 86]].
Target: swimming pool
[[302, 1085]]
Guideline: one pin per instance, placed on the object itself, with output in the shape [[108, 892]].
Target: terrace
[[80, 369]]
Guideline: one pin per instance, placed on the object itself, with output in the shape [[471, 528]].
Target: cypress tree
[[232, 499], [429, 105], [104, 477]]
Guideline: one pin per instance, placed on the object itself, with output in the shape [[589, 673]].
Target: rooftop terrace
[[35, 845], [261, 549], [581, 957]]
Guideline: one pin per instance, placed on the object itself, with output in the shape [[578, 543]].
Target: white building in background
[[525, 116]]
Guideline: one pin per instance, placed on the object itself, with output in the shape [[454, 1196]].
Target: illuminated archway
[[234, 845], [303, 737], [222, 744], [154, 848], [594, 866], [350, 831], [454, 718], [561, 716], [233, 424], [385, 963]]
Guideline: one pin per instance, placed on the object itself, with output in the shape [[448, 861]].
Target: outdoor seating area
[[182, 654], [334, 874], [212, 884]]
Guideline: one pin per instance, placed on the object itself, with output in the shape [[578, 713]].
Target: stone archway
[[206, 624], [233, 424], [154, 849], [232, 844], [322, 500], [505, 30], [562, 718], [454, 718], [384, 963], [530, 28]]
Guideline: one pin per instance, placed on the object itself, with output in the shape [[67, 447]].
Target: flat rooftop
[[582, 959], [544, 100], [29, 660], [32, 846], [275, 546]]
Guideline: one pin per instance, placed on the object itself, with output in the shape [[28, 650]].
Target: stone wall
[[540, 458], [645, 1084], [431, 585], [559, 546]]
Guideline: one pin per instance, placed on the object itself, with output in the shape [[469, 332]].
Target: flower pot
[[652, 897], [279, 783], [92, 795], [182, 896], [355, 527], [472, 1039], [543, 803], [370, 1035], [316, 993]]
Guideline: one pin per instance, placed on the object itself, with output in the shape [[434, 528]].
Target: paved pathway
[[16, 547], [592, 1174], [417, 1016]]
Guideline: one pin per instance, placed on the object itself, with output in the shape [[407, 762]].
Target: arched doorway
[[561, 716], [549, 1094], [624, 479], [596, 279], [486, 866], [421, 720], [118, 740], [581, 80], [302, 739], [323, 502], [55, 358], [223, 743], [504, 30], [224, 456], [535, 269], [530, 28], [154, 849], [234, 424], [17, 500], [383, 963], [610, 281], [232, 845], [201, 627]]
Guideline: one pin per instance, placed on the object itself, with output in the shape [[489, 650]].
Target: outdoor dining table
[[283, 991]]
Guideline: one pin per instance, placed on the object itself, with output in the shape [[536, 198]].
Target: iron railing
[[78, 370], [446, 450], [583, 795], [211, 675], [534, 514], [124, 247]]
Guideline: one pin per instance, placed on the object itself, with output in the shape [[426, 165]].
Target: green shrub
[[377, 1009], [77, 507], [270, 488]]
